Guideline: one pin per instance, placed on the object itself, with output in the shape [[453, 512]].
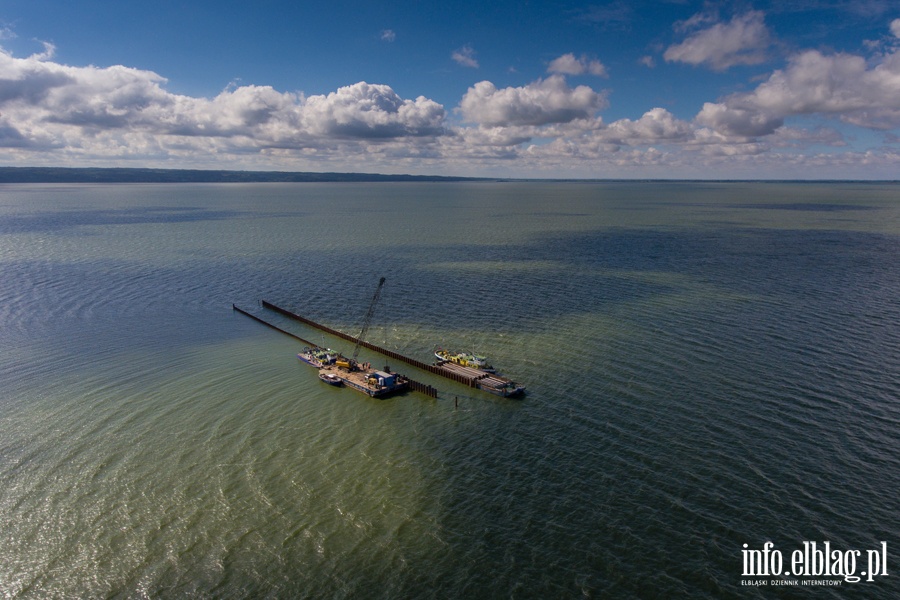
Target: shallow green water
[[708, 365]]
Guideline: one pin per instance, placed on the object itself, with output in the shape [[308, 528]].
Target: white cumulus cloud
[[839, 85], [569, 64], [735, 121], [542, 102], [62, 115], [742, 41], [365, 110], [46, 105], [655, 126]]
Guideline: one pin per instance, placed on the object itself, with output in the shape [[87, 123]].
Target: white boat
[[331, 378]]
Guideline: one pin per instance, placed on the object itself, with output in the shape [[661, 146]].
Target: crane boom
[[368, 318]]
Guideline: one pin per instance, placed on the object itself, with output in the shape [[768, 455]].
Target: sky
[[681, 89]]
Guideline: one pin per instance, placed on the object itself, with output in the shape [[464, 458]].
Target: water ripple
[[694, 385]]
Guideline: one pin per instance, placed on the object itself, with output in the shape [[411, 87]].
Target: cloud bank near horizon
[[52, 113]]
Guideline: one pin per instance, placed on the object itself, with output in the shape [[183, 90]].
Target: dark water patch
[[561, 214], [805, 206], [47, 221]]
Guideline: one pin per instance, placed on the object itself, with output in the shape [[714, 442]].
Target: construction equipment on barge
[[480, 379], [487, 380], [465, 359], [362, 377], [383, 384], [366, 380]]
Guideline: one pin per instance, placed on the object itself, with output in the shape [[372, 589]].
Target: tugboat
[[464, 360]]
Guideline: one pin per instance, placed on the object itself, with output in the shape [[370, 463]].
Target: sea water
[[711, 368]]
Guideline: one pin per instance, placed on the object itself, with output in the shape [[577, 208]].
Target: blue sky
[[807, 89]]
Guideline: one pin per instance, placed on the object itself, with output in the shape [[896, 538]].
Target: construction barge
[[483, 379], [335, 369], [376, 384], [405, 382]]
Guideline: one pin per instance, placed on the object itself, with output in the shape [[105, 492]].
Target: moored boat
[[369, 381], [464, 359], [331, 379], [461, 368], [318, 357]]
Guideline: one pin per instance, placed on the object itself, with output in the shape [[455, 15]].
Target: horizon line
[[9, 174]]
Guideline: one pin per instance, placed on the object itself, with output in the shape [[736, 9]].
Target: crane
[[350, 364], [367, 320]]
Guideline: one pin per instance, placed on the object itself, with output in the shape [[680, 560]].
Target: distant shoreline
[[146, 175], [134, 175]]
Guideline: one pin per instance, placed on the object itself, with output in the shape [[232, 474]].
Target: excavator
[[350, 364]]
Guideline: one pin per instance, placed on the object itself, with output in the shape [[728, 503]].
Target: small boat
[[369, 381], [463, 359], [331, 378]]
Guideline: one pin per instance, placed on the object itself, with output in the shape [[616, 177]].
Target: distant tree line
[[116, 175]]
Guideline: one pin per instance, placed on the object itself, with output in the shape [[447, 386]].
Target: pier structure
[[413, 385], [489, 382]]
